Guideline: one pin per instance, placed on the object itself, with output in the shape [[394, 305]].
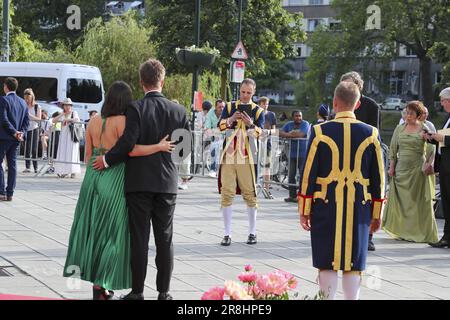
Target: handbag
[[76, 131]]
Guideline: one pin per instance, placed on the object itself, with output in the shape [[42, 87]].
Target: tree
[[441, 52], [46, 20], [416, 24], [21, 47], [268, 31], [117, 47]]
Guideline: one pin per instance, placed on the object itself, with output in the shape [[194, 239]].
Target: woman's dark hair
[[117, 99]]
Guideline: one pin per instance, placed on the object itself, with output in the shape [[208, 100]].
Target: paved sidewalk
[[34, 231]]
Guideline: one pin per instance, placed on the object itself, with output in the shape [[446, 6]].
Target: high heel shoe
[[99, 293]]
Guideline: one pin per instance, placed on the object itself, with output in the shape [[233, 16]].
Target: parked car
[[393, 104]]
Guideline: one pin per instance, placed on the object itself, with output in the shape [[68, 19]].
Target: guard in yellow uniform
[[243, 121], [342, 193]]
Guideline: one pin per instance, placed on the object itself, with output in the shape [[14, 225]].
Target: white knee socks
[[351, 284], [328, 281], [227, 213], [251, 220]]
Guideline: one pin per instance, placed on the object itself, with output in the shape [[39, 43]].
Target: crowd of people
[[336, 164]]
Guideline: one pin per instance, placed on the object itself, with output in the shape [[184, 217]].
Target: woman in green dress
[[99, 244], [409, 213]]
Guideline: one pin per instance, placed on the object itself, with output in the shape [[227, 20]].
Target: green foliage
[[45, 20], [179, 87], [268, 31], [117, 47], [414, 23], [441, 52], [21, 47]]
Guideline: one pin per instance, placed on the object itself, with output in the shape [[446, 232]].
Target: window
[[410, 52], [313, 24], [437, 77], [396, 82], [315, 2], [84, 90], [299, 51], [45, 89]]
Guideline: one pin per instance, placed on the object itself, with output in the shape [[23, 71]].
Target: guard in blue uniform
[[342, 193]]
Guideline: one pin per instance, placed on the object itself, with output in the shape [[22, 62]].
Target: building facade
[[400, 79]]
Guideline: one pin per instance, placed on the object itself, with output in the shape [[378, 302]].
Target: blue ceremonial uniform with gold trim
[[342, 188]]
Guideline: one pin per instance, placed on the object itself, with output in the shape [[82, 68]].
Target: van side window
[[84, 90], [45, 89]]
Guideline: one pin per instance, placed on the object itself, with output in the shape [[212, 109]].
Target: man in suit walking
[[442, 165], [13, 129], [150, 181]]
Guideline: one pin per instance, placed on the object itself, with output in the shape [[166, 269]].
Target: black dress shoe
[[5, 198], [251, 239], [164, 296], [371, 246], [226, 241], [132, 296], [290, 200], [444, 242]]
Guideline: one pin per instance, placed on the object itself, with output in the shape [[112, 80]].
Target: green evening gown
[[99, 244], [409, 213]]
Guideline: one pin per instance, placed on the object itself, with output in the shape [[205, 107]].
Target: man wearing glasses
[[442, 165]]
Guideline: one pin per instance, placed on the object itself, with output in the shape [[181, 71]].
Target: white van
[[52, 82]]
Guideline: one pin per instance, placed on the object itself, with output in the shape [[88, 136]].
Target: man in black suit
[[13, 129], [367, 112], [442, 165], [150, 181]]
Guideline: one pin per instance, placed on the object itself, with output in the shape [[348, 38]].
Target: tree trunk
[[426, 82]]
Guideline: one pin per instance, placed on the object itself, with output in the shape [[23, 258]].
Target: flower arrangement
[[272, 286], [205, 49]]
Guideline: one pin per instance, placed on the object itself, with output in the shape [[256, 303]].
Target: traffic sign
[[240, 52], [237, 71]]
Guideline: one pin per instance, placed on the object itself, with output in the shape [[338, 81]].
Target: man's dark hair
[[294, 112], [92, 112], [152, 72], [218, 101], [117, 99], [11, 83]]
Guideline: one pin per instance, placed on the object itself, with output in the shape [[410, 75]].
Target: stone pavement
[[34, 232]]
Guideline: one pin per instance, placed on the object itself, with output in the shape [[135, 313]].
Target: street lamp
[[5, 54]]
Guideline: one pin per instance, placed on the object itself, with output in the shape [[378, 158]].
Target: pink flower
[[248, 267], [272, 283], [215, 293], [292, 282], [248, 277], [235, 291]]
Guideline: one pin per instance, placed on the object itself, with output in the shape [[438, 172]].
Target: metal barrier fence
[[48, 144], [279, 160], [50, 148], [51, 144]]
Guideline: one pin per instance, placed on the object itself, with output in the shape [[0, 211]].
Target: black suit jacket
[[368, 112], [442, 161], [148, 121]]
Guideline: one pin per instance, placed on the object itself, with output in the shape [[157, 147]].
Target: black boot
[[371, 244]]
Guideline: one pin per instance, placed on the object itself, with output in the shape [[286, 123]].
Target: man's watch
[[252, 126]]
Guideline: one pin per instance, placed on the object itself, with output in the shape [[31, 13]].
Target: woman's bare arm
[[145, 150]]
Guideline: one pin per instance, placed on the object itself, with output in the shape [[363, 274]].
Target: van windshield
[[84, 90], [45, 89]]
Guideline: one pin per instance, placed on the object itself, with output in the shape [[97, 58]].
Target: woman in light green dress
[[99, 244], [409, 213]]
